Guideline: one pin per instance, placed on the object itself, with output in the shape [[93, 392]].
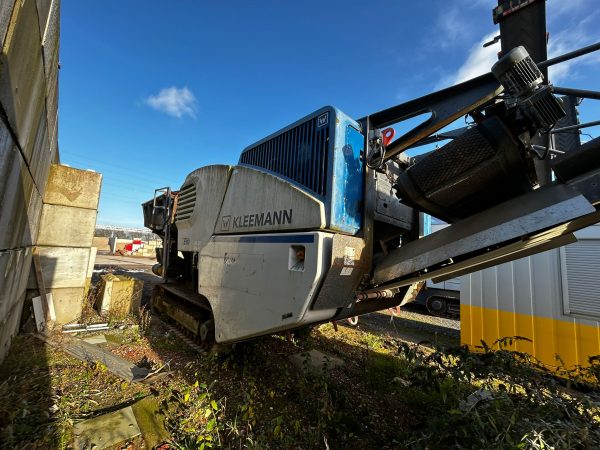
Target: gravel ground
[[417, 316], [413, 325]]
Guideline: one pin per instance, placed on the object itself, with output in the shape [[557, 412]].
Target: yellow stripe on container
[[571, 341]]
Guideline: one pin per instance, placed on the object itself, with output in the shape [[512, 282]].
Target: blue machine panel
[[347, 195], [321, 154]]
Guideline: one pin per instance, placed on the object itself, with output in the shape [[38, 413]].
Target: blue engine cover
[[321, 154]]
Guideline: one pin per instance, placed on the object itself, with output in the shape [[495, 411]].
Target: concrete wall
[[29, 41]]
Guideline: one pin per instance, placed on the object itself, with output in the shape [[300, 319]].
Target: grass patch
[[389, 394], [383, 371]]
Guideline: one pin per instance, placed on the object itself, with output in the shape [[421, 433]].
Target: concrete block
[[43, 10], [90, 269], [95, 340], [14, 271], [50, 36], [6, 10], [64, 267], [9, 326], [16, 187], [34, 212], [52, 100], [149, 250], [101, 243], [151, 421], [68, 303], [107, 430], [73, 187], [53, 141], [22, 78], [39, 161], [120, 296], [50, 43], [66, 227], [114, 364]]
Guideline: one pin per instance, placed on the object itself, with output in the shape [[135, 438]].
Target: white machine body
[[254, 282]]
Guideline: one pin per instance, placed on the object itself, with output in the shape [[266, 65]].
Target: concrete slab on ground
[[315, 361], [95, 340], [106, 430], [92, 353], [151, 421]]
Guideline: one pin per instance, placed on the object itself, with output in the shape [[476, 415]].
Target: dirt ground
[[401, 385]]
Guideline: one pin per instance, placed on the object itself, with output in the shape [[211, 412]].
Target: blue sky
[[150, 91]]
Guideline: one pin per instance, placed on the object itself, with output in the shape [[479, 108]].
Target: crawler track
[[185, 338], [188, 314]]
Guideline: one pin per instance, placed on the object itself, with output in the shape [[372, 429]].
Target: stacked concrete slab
[[29, 42], [120, 296], [65, 236]]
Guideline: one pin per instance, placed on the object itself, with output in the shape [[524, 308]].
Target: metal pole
[[576, 127], [167, 237], [570, 55], [582, 93]]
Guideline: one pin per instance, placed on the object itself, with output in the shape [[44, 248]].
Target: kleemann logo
[[263, 219], [323, 120]]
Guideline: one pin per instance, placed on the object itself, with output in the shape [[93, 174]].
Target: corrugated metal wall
[[528, 298], [29, 39]]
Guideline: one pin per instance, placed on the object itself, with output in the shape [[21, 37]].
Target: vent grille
[[583, 272], [523, 77], [186, 202], [299, 154], [544, 108]]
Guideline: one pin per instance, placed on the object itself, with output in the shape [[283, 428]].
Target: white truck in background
[[442, 298]]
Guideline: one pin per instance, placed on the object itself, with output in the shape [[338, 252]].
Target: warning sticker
[[346, 271], [349, 256]]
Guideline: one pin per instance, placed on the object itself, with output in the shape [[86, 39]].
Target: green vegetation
[[389, 394]]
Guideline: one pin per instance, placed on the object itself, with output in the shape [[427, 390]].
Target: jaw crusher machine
[[323, 220]]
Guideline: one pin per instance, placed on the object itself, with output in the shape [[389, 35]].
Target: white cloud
[[451, 28], [572, 39], [174, 102], [479, 61], [572, 25], [557, 8], [457, 23]]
